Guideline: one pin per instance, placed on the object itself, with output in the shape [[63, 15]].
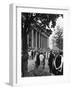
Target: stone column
[[36, 39], [47, 42], [32, 39], [39, 40], [28, 40]]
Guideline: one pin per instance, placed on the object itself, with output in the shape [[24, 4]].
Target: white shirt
[[41, 57]]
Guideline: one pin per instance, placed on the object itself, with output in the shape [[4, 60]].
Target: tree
[[59, 38]]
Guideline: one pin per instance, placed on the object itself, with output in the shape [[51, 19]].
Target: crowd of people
[[55, 61]]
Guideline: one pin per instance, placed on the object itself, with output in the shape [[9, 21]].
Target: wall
[[4, 42]]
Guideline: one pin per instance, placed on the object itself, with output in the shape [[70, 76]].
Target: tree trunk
[[24, 58]]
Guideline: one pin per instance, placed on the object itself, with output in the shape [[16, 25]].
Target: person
[[32, 53], [50, 61], [58, 65], [42, 60], [29, 54], [37, 63]]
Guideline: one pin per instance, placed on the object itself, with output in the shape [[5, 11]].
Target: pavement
[[32, 70]]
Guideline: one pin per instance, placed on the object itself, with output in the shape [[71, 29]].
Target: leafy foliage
[[59, 38], [40, 21]]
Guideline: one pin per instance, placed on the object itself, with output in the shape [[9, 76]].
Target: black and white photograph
[[41, 44]]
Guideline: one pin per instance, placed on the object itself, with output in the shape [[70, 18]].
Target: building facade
[[37, 40]]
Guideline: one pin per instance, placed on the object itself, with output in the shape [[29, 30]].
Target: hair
[[61, 53]]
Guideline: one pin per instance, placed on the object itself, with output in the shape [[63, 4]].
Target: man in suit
[[37, 63], [50, 61]]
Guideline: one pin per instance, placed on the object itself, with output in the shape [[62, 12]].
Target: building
[[37, 40]]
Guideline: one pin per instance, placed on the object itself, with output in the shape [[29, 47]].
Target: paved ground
[[32, 69]]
